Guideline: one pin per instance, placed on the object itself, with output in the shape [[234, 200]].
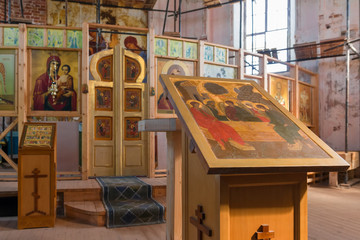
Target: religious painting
[[171, 67], [209, 53], [220, 55], [132, 70], [161, 46], [136, 44], [104, 68], [236, 124], [35, 37], [73, 39], [305, 103], [97, 41], [216, 71], [11, 37], [191, 51], [38, 134], [176, 48], [58, 16], [7, 80], [103, 128], [103, 99], [132, 100], [131, 129], [55, 38], [279, 89], [55, 78]]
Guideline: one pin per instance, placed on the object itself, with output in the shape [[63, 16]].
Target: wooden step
[[92, 212], [162, 201], [158, 191], [82, 195]]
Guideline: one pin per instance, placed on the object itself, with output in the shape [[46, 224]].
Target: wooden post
[[333, 179], [151, 79], [200, 67], [296, 97], [23, 104], [241, 63], [84, 101], [174, 181]]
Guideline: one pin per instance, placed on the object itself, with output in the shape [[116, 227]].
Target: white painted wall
[[332, 72], [213, 25], [326, 19]]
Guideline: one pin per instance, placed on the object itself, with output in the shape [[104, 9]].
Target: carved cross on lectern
[[201, 228], [35, 194], [265, 234]]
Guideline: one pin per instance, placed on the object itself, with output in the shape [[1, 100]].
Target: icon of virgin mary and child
[[53, 92]]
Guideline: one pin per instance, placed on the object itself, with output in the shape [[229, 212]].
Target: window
[[266, 29]]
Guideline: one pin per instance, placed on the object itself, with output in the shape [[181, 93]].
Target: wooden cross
[[35, 194], [265, 234], [198, 222]]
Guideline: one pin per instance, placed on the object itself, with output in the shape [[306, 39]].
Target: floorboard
[[334, 213]]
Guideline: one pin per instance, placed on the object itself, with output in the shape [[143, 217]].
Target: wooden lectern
[[240, 170], [37, 176]]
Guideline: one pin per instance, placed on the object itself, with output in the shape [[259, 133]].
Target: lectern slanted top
[[251, 159]]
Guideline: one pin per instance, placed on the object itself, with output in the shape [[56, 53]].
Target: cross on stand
[[265, 234], [198, 222], [35, 194]]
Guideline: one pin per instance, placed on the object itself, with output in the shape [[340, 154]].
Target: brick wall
[[34, 10]]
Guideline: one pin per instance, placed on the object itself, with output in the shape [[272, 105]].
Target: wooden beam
[[85, 103], [11, 126], [9, 160]]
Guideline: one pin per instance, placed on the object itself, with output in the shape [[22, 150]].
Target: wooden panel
[[82, 196], [203, 189], [103, 156], [37, 187], [278, 200], [252, 206], [42, 163], [133, 155]]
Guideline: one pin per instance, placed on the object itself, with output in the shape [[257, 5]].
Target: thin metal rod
[[347, 75], [180, 1], [117, 32], [22, 8], [98, 5], [5, 10], [74, 1], [166, 15], [9, 11], [321, 57], [340, 45], [207, 7], [240, 25], [144, 9], [252, 33], [176, 14], [66, 13], [98, 34]]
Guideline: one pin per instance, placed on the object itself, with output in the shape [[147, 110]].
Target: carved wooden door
[[116, 105]]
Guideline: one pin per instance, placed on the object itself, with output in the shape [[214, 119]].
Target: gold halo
[[246, 101], [256, 104], [207, 100], [188, 102]]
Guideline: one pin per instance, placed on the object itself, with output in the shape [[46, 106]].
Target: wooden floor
[[66, 229], [333, 214], [10, 188]]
